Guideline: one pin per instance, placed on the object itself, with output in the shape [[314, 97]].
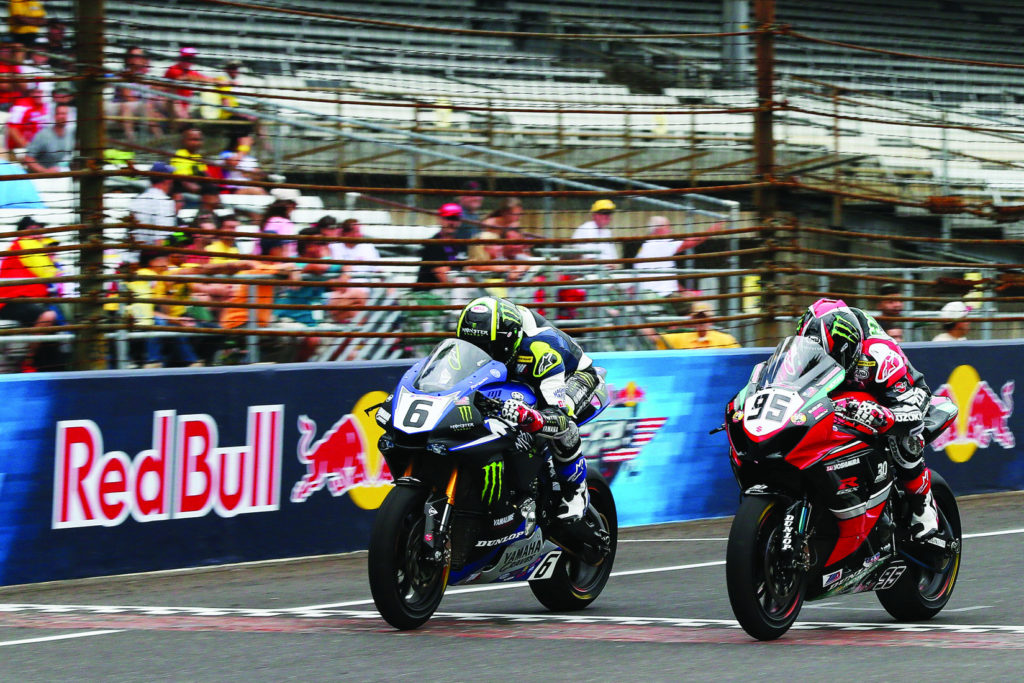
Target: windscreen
[[799, 362], [451, 361]]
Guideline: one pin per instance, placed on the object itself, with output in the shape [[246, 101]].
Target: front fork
[[438, 517]]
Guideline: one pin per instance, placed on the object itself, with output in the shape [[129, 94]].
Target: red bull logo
[[984, 415], [185, 474], [346, 459]]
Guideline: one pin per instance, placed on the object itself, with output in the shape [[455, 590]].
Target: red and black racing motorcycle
[[820, 515]]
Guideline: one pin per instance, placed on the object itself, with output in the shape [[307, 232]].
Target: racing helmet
[[831, 323], [492, 324]]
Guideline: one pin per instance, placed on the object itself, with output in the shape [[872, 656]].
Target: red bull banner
[[116, 472]]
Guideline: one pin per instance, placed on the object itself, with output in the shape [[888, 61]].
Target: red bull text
[[185, 473]]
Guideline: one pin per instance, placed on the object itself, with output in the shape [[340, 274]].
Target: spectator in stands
[[61, 54], [18, 266], [63, 93], [11, 58], [130, 104], [450, 216], [271, 348], [957, 325], [277, 219], [470, 202], [703, 336], [27, 117], [226, 85], [497, 223], [891, 307], [209, 204], [224, 244], [26, 19], [183, 71], [200, 241], [51, 149], [238, 164], [155, 206], [660, 246], [594, 232], [353, 251], [39, 67], [189, 161]]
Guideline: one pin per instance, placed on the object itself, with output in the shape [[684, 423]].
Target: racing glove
[[518, 413], [865, 416]]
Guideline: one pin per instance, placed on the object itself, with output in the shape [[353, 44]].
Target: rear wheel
[[922, 592], [406, 586], [765, 594], [575, 583]]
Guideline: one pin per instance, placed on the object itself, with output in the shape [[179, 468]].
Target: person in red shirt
[[183, 71], [28, 116], [17, 265], [12, 55]]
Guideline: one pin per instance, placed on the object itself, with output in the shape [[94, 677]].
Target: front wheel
[[406, 585], [922, 592], [766, 594], [576, 583]]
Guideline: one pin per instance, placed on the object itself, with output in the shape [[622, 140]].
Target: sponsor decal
[[829, 579], [520, 554], [842, 465], [901, 386], [461, 427], [464, 401], [818, 411], [186, 473], [848, 484], [473, 332], [871, 560], [798, 419], [493, 472], [502, 521], [346, 459], [466, 413], [737, 416], [883, 471], [478, 308], [787, 532], [495, 373], [499, 541], [984, 415]]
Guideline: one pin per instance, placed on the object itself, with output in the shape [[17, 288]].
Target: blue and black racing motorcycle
[[474, 495]]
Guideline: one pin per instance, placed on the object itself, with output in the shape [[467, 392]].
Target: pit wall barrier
[[126, 471]]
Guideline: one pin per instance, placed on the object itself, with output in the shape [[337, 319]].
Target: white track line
[[45, 639]]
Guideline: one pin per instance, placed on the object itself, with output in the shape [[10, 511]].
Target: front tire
[[575, 583], [406, 587], [766, 596], [921, 593]]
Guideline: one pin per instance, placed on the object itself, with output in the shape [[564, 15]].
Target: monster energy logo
[[841, 328], [510, 311], [492, 481], [466, 413]]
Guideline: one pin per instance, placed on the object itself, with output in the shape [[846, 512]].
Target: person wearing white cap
[[595, 232], [957, 325]]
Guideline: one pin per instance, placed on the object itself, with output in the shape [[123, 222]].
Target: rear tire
[[406, 588], [575, 584], [921, 593], [765, 596]]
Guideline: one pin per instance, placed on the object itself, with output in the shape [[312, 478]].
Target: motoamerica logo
[[619, 440]]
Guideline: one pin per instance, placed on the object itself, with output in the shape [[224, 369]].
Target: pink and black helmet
[[831, 323]]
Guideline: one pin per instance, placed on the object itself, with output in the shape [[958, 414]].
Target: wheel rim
[[418, 581], [777, 587], [583, 576], [934, 586]]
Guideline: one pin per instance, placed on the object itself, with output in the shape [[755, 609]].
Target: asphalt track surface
[[664, 616]]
